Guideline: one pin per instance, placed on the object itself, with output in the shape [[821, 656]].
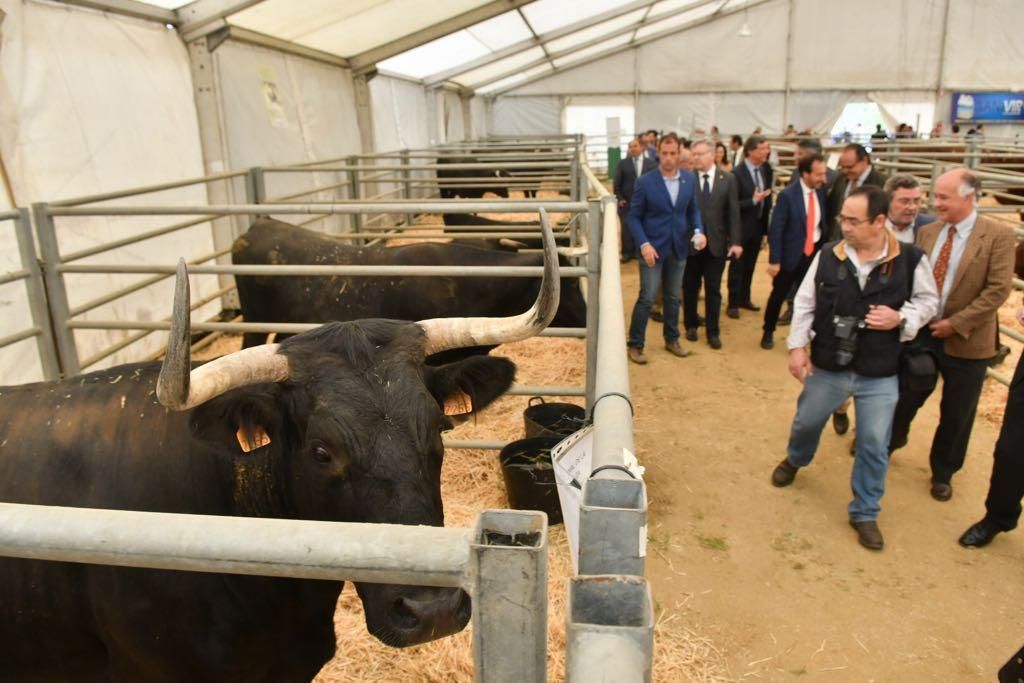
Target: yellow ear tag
[[458, 403], [260, 438]]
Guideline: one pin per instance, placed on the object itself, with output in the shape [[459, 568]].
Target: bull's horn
[[180, 389], [456, 333], [511, 244], [572, 252]]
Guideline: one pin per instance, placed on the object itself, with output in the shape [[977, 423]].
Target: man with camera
[[861, 298]]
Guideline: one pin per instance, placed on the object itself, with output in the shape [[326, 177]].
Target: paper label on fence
[[642, 542], [571, 459]]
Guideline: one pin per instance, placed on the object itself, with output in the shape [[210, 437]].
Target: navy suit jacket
[[753, 217], [788, 229], [654, 218]]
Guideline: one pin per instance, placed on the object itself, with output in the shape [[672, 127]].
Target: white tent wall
[[298, 109], [450, 110], [526, 116], [887, 50], [94, 103], [479, 114], [400, 119]]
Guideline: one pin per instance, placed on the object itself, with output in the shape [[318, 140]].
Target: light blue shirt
[[755, 173], [672, 185], [963, 233]]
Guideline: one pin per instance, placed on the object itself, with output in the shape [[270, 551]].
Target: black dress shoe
[[733, 312], [700, 321], [715, 343], [767, 342], [941, 492], [657, 316], [868, 534], [750, 306], [787, 317], [840, 423], [691, 334], [979, 535]]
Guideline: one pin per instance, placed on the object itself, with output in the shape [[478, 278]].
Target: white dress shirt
[[850, 187], [811, 197], [711, 179], [963, 232], [905, 235], [917, 311], [638, 165]]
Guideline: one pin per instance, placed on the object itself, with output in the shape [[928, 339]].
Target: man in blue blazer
[[626, 173], [799, 226], [664, 218]]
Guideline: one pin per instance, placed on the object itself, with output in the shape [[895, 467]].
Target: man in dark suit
[[806, 146], [754, 184], [972, 259], [718, 201], [735, 147], [1006, 486], [628, 170], [664, 219], [799, 227], [855, 170]]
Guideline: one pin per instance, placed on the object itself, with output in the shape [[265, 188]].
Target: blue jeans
[[667, 271], [875, 400]]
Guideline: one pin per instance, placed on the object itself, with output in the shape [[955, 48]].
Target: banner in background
[[986, 107]]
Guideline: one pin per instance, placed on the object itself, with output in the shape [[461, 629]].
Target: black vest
[[838, 292]]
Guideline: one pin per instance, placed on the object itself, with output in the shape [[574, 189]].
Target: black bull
[[317, 299], [341, 423]]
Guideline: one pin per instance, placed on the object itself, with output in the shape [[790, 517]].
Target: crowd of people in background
[[881, 299]]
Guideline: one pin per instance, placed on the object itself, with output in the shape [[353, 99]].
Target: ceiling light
[[744, 31]]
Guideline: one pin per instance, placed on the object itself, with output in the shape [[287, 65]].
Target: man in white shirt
[[862, 297]]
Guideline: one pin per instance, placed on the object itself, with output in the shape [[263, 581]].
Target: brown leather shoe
[[733, 312], [784, 474], [637, 355], [868, 533], [941, 492], [676, 350]]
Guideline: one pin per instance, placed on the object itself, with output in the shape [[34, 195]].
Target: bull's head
[[356, 418]]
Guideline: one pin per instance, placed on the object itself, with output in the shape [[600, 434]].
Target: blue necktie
[[707, 189]]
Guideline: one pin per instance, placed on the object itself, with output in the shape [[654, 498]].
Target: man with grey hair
[[972, 260], [905, 217]]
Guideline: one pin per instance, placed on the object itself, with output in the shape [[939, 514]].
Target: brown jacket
[[981, 285]]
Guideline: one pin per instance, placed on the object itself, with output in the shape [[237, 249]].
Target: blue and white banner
[[994, 107]]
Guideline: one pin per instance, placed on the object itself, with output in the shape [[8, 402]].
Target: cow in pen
[[341, 423], [318, 299]]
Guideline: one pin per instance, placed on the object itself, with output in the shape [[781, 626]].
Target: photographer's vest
[[838, 292]]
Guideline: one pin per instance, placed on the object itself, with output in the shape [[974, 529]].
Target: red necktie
[[812, 222], [942, 263]]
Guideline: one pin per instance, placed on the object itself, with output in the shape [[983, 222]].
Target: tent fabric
[[731, 112], [300, 110], [526, 116], [70, 130], [450, 107], [985, 49], [479, 115]]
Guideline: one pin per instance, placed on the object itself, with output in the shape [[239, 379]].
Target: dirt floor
[[775, 577]]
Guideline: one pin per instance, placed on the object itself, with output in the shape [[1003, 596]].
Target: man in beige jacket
[[972, 260]]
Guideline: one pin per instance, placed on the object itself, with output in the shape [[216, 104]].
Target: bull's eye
[[445, 425], [321, 455]]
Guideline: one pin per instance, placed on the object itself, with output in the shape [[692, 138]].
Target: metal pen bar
[[131, 339], [997, 376], [311, 270], [19, 336], [156, 232], [13, 276], [36, 293], [148, 189], [325, 188], [510, 165], [477, 444], [141, 284], [339, 551], [342, 207]]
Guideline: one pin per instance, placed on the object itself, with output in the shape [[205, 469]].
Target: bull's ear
[[470, 385], [240, 421]]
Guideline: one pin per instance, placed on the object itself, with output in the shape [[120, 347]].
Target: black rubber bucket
[[552, 419], [530, 477]]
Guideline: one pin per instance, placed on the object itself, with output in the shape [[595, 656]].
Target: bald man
[[972, 260]]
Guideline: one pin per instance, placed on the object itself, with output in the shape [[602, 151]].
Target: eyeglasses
[[850, 220]]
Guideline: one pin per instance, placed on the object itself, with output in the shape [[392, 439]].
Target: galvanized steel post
[[509, 570], [356, 224], [255, 186], [56, 293], [406, 190], [36, 296], [594, 224], [609, 630]]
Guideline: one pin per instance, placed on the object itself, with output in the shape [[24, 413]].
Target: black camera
[[846, 328]]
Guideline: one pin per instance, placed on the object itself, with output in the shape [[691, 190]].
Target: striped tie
[[942, 263]]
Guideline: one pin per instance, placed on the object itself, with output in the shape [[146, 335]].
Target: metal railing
[[507, 583]]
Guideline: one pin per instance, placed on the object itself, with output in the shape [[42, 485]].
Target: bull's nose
[[419, 619]]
